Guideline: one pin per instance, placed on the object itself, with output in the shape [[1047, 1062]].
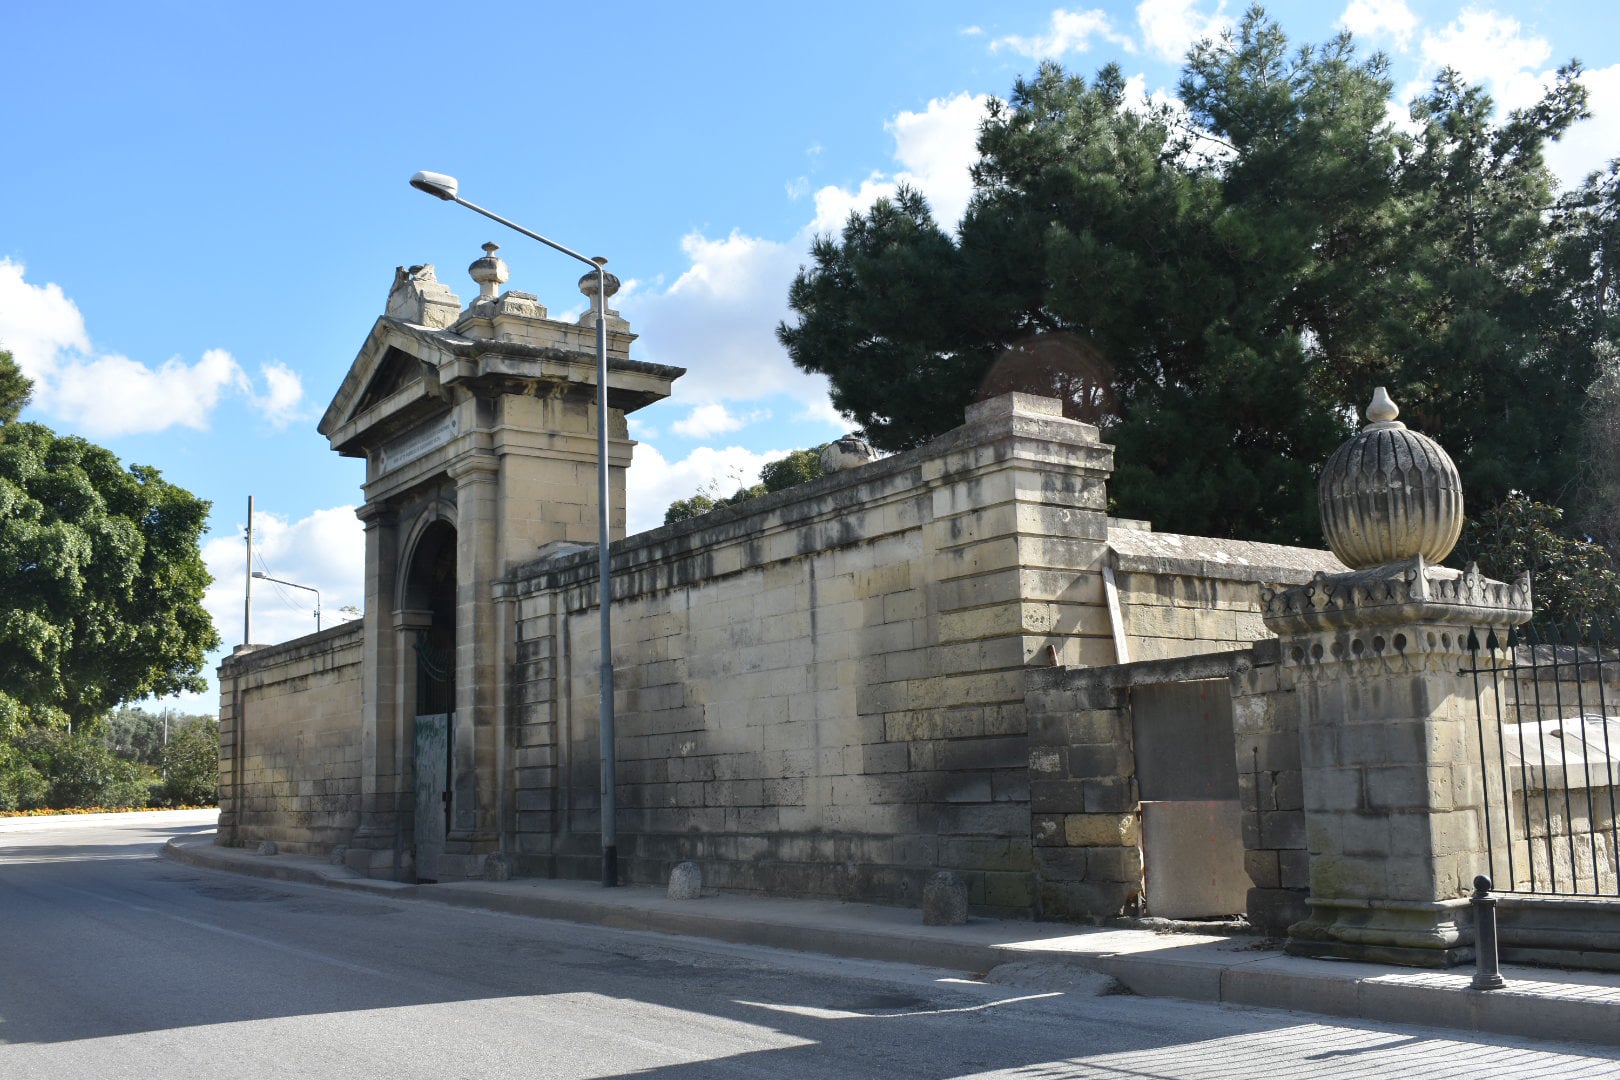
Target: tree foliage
[[189, 762], [1573, 582], [1219, 287], [101, 574], [797, 467]]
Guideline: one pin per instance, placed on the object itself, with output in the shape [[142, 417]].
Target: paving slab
[[1537, 1003]]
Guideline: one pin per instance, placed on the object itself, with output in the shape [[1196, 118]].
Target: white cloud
[[114, 395], [1170, 27], [972, 31], [654, 482], [108, 394], [1492, 49], [1593, 142], [326, 551], [1389, 20], [718, 319], [1067, 32], [715, 419], [284, 390], [1511, 62], [37, 324], [822, 412], [935, 149]]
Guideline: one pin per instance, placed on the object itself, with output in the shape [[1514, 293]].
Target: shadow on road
[[105, 939]]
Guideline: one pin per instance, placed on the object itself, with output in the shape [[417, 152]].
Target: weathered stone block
[[945, 900], [685, 882], [1100, 830]]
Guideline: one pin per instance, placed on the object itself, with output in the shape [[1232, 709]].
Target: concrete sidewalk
[[1537, 1002]]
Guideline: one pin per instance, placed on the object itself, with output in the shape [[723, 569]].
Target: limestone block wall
[[1265, 718], [1084, 819], [290, 742], [1186, 595], [821, 692]]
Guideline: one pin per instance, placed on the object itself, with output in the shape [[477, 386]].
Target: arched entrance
[[430, 594]]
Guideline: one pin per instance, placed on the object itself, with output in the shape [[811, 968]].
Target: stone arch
[[426, 608]]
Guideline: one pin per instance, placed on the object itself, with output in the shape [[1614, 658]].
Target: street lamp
[[262, 576], [445, 187]]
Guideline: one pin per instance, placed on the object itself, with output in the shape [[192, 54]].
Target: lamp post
[[262, 576], [445, 187]]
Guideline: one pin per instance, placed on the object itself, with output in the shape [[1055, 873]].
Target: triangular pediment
[[394, 378], [396, 369]]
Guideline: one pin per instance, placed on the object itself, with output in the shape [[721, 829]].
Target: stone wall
[[290, 741], [1265, 720], [821, 691], [1188, 595]]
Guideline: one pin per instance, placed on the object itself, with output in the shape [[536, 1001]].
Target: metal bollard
[[1487, 973]]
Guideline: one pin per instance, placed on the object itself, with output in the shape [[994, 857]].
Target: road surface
[[117, 963]]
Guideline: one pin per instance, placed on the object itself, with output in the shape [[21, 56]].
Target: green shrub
[[190, 764], [81, 771]]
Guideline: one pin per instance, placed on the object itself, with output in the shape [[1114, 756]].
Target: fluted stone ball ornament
[[1389, 493]]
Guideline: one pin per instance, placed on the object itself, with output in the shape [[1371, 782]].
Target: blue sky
[[202, 204]]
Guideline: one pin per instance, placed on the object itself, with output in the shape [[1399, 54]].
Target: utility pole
[[247, 598]]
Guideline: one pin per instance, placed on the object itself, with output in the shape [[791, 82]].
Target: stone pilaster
[[478, 661], [382, 777], [1393, 780]]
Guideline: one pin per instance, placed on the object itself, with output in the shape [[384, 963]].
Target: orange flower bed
[[97, 810]]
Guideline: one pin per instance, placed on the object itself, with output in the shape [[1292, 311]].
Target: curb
[[1536, 1004]]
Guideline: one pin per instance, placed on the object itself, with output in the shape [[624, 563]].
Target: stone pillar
[[1393, 779], [1392, 774], [376, 844], [474, 782]]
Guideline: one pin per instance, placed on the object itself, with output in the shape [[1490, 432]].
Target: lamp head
[[258, 573], [436, 184]]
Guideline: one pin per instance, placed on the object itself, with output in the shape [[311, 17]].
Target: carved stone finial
[[587, 283], [490, 272], [1382, 410], [1389, 493]]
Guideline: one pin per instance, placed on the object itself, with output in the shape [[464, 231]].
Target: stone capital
[[1411, 591], [474, 468]]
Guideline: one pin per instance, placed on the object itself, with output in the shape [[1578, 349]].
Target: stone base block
[[1410, 934], [1275, 910]]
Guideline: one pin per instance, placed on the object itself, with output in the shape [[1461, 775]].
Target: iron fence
[[1548, 712]]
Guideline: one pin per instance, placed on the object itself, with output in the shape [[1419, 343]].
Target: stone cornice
[[1408, 591]]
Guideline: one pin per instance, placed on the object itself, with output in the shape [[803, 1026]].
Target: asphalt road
[[117, 963]]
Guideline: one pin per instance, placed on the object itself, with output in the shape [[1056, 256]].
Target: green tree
[[101, 575], [15, 389], [1573, 582], [190, 764], [797, 467], [1216, 288]]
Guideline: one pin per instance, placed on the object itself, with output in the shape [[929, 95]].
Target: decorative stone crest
[[1405, 591], [1389, 494], [419, 297], [846, 453]]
